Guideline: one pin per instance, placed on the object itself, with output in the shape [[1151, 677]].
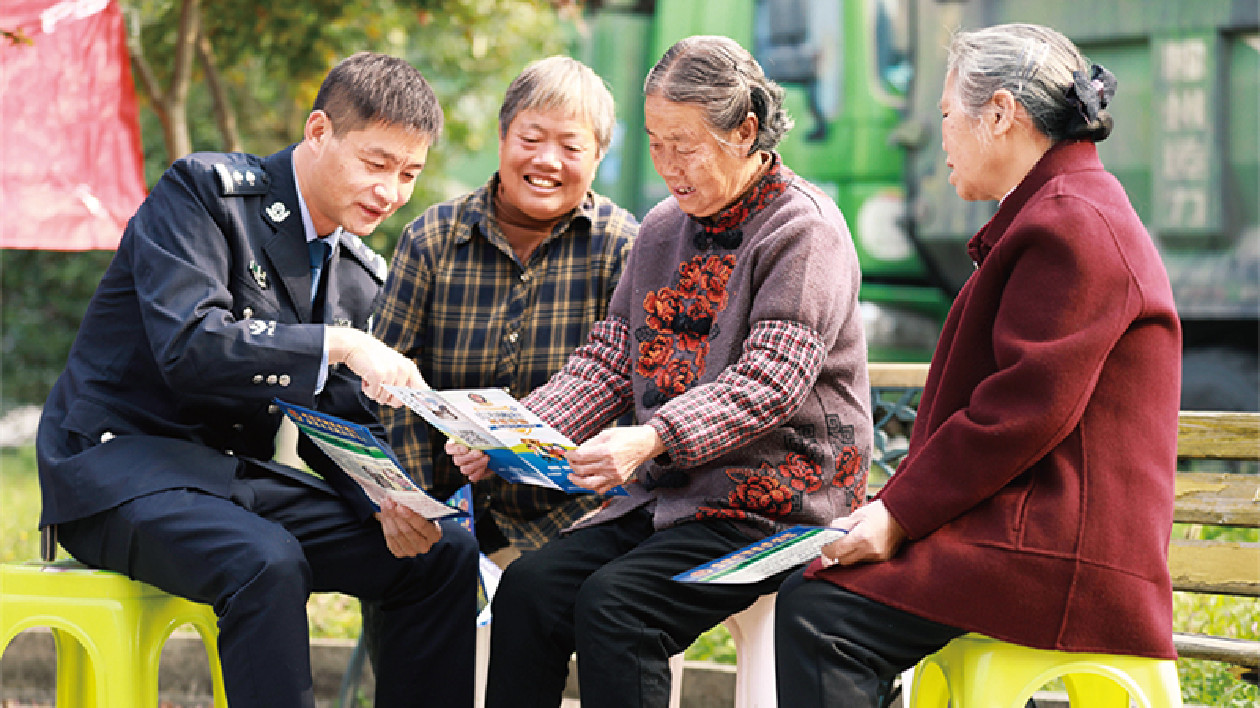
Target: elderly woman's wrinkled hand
[[407, 533], [610, 458], [873, 535], [473, 464]]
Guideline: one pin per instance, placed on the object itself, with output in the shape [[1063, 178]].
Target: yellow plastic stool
[[108, 629], [975, 671]]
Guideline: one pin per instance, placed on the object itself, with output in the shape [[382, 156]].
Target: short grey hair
[[563, 84], [1035, 64], [721, 77]]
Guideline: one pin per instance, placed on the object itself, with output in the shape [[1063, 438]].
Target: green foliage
[[1210, 683], [19, 504], [715, 645], [43, 295], [271, 58], [334, 616]]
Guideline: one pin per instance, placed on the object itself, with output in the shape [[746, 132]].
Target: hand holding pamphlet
[[521, 447], [757, 561], [365, 461]]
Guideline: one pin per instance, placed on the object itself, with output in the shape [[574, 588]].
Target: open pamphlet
[[772, 555], [521, 447], [365, 461]]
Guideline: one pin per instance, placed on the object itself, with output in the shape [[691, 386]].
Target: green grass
[[19, 504], [337, 616]]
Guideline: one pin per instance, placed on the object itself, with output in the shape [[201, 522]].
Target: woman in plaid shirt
[[496, 288], [735, 338]]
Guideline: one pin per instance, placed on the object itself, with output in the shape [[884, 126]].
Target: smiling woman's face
[[547, 161], [704, 172]]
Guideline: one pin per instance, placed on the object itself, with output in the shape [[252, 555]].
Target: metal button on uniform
[[273, 409], [258, 378], [284, 379], [272, 379], [106, 436], [524, 277], [247, 312]]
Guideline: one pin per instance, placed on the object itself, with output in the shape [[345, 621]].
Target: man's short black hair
[[368, 88]]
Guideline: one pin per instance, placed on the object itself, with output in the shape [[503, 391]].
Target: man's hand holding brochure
[[520, 447], [366, 462]]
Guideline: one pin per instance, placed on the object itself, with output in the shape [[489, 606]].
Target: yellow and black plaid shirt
[[470, 315]]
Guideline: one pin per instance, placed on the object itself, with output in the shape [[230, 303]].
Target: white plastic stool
[[753, 633]]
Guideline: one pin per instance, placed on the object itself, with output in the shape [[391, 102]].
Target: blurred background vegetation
[[241, 75]]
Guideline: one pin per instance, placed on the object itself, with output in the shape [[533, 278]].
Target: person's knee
[[282, 563], [599, 601], [796, 599], [272, 572], [459, 543], [522, 584]]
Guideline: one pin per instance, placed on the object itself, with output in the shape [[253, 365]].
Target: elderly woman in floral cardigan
[[735, 336]]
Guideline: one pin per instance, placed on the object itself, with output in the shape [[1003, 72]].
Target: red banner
[[71, 165]]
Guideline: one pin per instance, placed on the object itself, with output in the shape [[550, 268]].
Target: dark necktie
[[319, 255], [318, 249]]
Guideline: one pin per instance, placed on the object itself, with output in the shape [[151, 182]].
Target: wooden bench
[[1227, 498]]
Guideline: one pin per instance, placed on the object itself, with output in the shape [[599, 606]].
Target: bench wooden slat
[[1218, 498], [1217, 435], [896, 375], [1215, 567], [1201, 646], [1210, 435]]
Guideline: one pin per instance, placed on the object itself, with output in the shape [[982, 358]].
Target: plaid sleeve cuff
[[779, 365], [594, 386]]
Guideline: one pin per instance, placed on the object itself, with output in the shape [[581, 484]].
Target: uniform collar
[[308, 226]]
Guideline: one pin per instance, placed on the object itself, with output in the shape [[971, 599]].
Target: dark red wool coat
[[1038, 492]]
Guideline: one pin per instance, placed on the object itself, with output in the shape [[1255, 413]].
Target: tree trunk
[[171, 104], [224, 115]]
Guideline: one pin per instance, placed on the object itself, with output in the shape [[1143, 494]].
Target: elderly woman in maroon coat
[[1036, 501]]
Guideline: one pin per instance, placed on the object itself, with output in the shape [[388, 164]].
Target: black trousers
[[607, 592], [256, 558], [837, 648]]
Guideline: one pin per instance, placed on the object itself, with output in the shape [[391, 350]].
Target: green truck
[[863, 79]]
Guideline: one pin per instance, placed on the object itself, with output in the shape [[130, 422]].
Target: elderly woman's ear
[[1005, 113], [748, 130]]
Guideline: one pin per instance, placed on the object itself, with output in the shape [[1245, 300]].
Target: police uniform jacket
[[203, 317]]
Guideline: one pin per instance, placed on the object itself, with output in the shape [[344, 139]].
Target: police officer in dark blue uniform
[[156, 444]]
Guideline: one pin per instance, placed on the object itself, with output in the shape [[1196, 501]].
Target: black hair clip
[[1091, 93]]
